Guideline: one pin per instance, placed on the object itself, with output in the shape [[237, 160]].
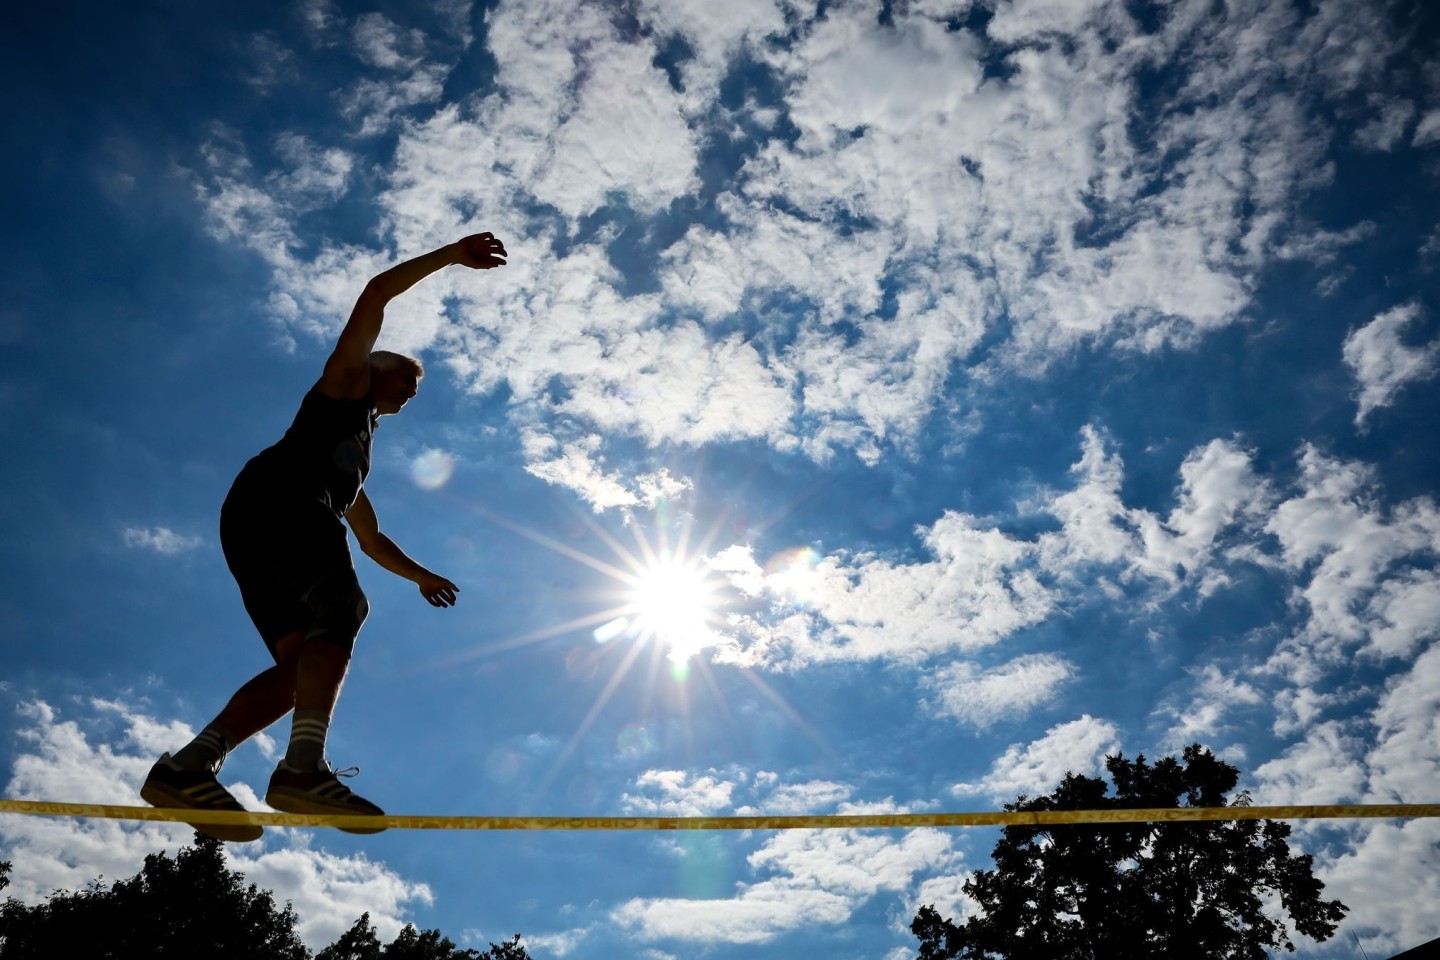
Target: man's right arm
[[347, 371]]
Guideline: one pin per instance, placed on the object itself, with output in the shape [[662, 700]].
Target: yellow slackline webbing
[[831, 822]]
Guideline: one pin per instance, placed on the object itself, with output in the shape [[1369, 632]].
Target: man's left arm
[[438, 591]]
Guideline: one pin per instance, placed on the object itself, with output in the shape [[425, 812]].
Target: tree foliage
[[360, 942], [190, 906], [1120, 891]]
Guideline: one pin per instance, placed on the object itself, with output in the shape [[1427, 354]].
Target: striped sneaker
[[171, 785], [319, 791]]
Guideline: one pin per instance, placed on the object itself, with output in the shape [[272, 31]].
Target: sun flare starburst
[[670, 598], [673, 603]]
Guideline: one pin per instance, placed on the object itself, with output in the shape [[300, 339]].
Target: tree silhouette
[[1120, 891], [192, 906], [360, 942], [188, 906]]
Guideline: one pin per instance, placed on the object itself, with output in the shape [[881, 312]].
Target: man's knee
[[340, 610]]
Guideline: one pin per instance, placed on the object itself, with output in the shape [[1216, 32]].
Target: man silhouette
[[286, 546]]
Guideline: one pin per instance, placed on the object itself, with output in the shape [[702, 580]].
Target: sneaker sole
[[290, 803], [159, 795]]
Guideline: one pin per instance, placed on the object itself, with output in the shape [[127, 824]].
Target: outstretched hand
[[480, 251], [436, 590]]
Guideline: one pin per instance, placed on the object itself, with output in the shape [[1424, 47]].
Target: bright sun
[[673, 604]]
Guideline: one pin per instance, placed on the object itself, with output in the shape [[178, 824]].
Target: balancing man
[[285, 544]]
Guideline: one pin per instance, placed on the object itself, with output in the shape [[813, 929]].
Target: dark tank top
[[325, 455]]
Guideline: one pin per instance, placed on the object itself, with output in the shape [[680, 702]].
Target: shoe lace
[[347, 772]]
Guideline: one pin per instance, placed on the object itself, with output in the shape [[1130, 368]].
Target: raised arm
[[347, 372]]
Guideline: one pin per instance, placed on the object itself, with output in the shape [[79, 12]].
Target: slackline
[[905, 821]]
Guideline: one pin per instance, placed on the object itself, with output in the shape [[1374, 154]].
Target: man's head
[[394, 378]]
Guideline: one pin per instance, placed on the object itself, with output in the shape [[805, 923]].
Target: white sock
[[308, 729], [206, 751]]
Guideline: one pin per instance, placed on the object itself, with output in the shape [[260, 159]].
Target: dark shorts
[[277, 548]]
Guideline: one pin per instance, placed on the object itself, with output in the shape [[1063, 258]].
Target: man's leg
[[340, 609], [267, 697], [304, 782], [187, 779], [320, 672]]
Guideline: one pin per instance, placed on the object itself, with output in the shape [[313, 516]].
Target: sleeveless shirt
[[325, 455]]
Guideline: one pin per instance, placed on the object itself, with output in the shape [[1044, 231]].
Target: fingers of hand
[[484, 250], [441, 595]]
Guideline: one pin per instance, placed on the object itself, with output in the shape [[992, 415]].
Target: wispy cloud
[[973, 592], [982, 697], [1374, 866], [1032, 203], [161, 540], [1078, 746], [1213, 695], [815, 877], [1365, 568], [1383, 363], [678, 793], [981, 585]]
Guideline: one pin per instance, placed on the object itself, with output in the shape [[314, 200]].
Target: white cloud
[[1218, 494], [795, 799], [982, 585], [1367, 565], [680, 794], [1386, 872], [972, 594], [554, 944], [1030, 197], [585, 112], [818, 877], [1202, 718], [162, 540], [805, 877], [1079, 746], [716, 33], [1323, 768], [575, 466], [89, 760], [946, 893], [1427, 131], [377, 104], [1383, 363], [318, 15], [1405, 761], [1390, 879], [1387, 127], [574, 469], [981, 697], [382, 43], [313, 174], [1017, 20]]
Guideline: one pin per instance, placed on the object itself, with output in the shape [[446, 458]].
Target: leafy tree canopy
[[190, 906], [1120, 891], [360, 942]]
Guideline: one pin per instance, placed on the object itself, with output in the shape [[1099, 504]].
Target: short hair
[[387, 360]]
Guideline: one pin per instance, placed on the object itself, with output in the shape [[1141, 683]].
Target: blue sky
[[1020, 381]]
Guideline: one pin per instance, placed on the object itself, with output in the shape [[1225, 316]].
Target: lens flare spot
[[609, 631], [432, 469], [502, 765], [582, 663], [703, 870], [792, 575], [635, 742]]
